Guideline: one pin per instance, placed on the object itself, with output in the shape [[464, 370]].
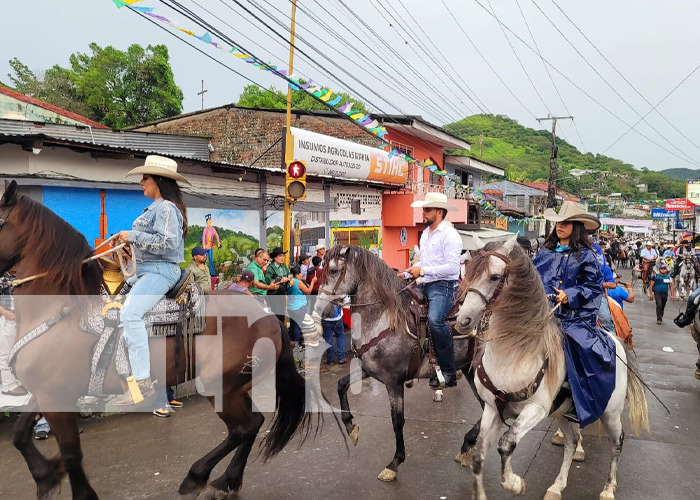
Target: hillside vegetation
[[524, 154], [681, 174]]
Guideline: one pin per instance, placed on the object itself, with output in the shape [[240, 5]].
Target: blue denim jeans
[[440, 296], [42, 425], [296, 318], [604, 317], [334, 329], [154, 279]]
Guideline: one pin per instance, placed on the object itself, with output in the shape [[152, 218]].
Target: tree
[[254, 96], [110, 86]]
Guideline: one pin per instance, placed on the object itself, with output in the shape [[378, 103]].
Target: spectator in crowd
[[296, 307], [314, 270], [304, 260], [320, 253], [261, 285], [333, 329], [659, 286], [278, 272], [623, 292], [199, 268], [244, 283]]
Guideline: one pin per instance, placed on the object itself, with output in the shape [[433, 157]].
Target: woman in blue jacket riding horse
[[571, 275]]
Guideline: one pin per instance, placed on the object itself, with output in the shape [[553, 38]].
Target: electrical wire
[[408, 31], [480, 104], [615, 68], [493, 70], [381, 72], [366, 27], [655, 106], [241, 75], [580, 89], [610, 86], [520, 62], [549, 73]]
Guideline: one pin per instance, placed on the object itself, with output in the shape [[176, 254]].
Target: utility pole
[[288, 143], [202, 94], [481, 145], [553, 167]]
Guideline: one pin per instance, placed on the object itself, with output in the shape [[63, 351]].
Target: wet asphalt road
[[139, 456]]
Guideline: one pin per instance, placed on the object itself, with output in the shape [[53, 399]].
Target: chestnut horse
[[55, 366]]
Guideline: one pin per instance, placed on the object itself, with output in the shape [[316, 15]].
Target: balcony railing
[[422, 188]]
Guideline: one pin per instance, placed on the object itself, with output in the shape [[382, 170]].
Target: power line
[[393, 51], [623, 76], [212, 29], [522, 66], [580, 89], [427, 65], [459, 25], [380, 75], [480, 104], [549, 73], [654, 107], [611, 87]]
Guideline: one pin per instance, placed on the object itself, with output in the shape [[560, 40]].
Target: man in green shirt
[[199, 268], [260, 283]]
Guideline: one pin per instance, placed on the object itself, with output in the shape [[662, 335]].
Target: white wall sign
[[338, 158]]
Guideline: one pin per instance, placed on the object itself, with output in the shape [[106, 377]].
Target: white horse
[[523, 363], [632, 256], [685, 279]]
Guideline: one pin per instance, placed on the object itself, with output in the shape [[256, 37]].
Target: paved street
[[142, 457]]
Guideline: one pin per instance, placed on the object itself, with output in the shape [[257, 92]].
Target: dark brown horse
[[55, 366], [381, 338]]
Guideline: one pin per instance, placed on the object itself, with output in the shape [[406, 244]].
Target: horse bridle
[[483, 325], [4, 216]]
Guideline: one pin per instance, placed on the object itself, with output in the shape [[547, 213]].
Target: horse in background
[[686, 281], [522, 334]]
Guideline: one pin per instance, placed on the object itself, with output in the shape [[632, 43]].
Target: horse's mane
[[378, 280], [49, 244], [521, 320]]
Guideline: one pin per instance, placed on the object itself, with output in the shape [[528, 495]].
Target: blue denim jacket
[[157, 233]]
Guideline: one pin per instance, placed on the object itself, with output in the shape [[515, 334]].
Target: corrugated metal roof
[[174, 145]]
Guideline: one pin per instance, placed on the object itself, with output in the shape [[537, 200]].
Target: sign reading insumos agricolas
[[338, 158]]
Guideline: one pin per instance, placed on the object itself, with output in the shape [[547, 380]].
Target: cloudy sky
[[414, 57]]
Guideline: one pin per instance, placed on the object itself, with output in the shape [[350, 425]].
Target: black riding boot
[[571, 414]]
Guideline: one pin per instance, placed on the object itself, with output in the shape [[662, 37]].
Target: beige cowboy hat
[[573, 212], [159, 165], [434, 200]]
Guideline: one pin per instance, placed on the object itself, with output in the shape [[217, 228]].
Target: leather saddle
[[180, 313], [418, 323]]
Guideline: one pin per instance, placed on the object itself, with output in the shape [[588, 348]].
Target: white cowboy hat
[[159, 165], [573, 212], [648, 244], [434, 200]]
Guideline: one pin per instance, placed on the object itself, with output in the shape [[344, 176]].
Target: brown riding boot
[[126, 399]]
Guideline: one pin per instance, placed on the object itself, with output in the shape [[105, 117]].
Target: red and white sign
[[678, 204]]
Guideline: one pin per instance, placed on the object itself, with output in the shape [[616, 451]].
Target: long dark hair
[[579, 238], [170, 191]]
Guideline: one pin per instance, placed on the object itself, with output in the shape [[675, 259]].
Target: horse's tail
[[638, 410], [291, 415]]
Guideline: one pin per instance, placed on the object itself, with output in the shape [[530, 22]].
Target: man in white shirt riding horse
[[438, 269]]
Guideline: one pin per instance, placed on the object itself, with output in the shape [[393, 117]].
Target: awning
[[474, 239]]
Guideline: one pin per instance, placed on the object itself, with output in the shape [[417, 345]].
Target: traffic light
[[295, 186]]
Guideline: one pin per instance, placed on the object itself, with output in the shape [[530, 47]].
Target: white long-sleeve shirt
[[440, 251]]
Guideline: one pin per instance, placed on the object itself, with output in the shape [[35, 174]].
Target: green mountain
[[681, 174], [524, 154]]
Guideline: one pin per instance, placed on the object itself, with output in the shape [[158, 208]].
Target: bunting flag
[[329, 97]]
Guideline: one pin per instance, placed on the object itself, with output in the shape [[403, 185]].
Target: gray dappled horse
[[383, 337], [520, 367]]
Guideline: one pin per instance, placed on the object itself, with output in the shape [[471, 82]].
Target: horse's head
[[337, 281], [10, 224], [486, 274]]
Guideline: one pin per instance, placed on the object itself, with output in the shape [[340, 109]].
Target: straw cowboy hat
[[573, 212], [434, 200], [159, 165]]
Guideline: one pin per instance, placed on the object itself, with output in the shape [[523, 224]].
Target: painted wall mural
[[230, 234]]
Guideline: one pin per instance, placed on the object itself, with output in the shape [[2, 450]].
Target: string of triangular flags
[[332, 99]]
